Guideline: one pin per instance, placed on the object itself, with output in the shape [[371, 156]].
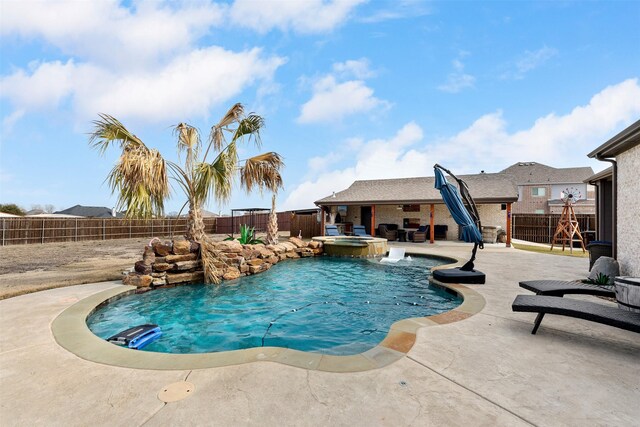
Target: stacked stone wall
[[178, 262]]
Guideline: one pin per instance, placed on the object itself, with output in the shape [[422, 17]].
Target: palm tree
[[140, 176]]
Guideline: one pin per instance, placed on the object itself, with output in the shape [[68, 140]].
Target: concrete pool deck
[[485, 370]]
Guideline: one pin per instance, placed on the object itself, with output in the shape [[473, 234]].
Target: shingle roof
[[605, 174], [89, 211], [526, 173], [484, 188]]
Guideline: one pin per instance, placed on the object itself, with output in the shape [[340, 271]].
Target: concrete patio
[[485, 370]]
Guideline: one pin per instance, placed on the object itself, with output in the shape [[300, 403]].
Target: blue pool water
[[326, 305]]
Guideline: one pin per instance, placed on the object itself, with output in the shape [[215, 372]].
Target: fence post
[[152, 221], [42, 231], [3, 226], [129, 227], [104, 230], [549, 230], [76, 230]]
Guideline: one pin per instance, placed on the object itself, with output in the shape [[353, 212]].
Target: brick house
[[411, 202], [619, 197], [540, 187]]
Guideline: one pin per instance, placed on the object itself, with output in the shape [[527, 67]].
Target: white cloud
[[373, 160], [555, 140], [10, 120], [529, 61], [188, 85], [108, 33], [357, 68], [333, 101], [458, 79], [306, 17], [400, 10]]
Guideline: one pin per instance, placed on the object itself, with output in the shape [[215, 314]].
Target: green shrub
[[12, 208], [247, 236]]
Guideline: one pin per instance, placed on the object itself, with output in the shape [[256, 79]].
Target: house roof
[[52, 215], [625, 140], [605, 174], [89, 211], [484, 188], [528, 173]]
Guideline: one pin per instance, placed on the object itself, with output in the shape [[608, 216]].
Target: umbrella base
[[455, 275]]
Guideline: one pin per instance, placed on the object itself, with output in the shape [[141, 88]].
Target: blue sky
[[349, 89]]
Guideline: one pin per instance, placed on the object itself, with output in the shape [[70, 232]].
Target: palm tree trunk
[[272, 225], [195, 224]]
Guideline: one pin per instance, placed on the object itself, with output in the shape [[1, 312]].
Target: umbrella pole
[[469, 264]]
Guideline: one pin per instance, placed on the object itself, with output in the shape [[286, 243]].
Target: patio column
[[373, 220], [322, 215], [432, 231], [508, 225]]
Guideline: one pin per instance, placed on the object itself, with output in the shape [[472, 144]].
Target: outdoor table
[[402, 235]]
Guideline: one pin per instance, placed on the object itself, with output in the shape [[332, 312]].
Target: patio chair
[[559, 288], [420, 235], [395, 255], [606, 315], [388, 231], [331, 230], [359, 230]]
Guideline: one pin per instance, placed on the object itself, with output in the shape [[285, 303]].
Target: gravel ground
[[30, 268]]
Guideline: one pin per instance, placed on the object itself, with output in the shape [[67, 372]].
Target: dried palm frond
[[216, 137], [251, 126], [210, 256], [139, 177], [109, 130], [189, 141], [262, 171], [216, 178]]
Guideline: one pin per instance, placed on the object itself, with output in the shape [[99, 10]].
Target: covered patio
[[405, 204]]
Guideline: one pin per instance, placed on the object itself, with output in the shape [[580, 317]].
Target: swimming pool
[[325, 305]]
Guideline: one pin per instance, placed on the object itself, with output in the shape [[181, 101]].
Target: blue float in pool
[[137, 337]]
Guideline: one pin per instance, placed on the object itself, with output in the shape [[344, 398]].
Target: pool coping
[[71, 332]]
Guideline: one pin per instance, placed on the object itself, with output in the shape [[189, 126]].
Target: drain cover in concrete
[[176, 391]]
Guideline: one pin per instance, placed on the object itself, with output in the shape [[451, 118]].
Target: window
[[539, 211], [410, 222], [538, 191], [410, 208]]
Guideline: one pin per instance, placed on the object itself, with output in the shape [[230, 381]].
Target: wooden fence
[[540, 228], [227, 225], [18, 231], [307, 225]]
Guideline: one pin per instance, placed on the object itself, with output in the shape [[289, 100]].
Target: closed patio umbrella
[[462, 208]]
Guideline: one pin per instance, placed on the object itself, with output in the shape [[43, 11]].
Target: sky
[[349, 89]]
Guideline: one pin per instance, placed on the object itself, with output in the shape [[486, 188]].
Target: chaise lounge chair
[[388, 231], [359, 230], [395, 255], [331, 230], [599, 313], [559, 288], [420, 235]]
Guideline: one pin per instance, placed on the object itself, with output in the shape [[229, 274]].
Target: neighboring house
[[90, 212], [540, 187], [618, 197], [410, 202]]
